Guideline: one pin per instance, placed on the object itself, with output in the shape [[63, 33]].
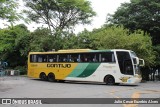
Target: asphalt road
[[23, 87]]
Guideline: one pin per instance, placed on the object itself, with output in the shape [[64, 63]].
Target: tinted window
[[33, 58], [52, 58], [87, 57], [63, 58], [74, 57], [98, 57], [38, 58], [125, 63], [107, 57]]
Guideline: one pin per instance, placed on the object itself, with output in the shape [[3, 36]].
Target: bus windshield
[[136, 67], [133, 54], [125, 62]]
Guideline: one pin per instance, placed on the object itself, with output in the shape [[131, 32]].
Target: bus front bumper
[[131, 80], [134, 80]]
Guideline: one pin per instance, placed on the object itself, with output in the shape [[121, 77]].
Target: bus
[[113, 66]]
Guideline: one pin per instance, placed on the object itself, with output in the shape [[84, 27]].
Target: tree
[[144, 15], [113, 37], [59, 15], [84, 39], [139, 14], [157, 50], [8, 10], [70, 41], [14, 42], [42, 40]]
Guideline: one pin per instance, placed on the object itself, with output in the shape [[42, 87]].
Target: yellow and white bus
[[109, 66]]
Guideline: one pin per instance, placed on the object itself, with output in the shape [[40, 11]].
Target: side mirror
[[136, 60], [141, 62]]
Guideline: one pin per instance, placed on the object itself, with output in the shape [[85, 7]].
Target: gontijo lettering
[[59, 65]]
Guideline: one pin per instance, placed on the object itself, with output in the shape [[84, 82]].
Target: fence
[[9, 72]]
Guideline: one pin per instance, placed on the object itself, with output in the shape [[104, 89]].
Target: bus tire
[[51, 77], [109, 80], [43, 76]]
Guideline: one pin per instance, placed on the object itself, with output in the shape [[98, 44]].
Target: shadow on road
[[86, 83]]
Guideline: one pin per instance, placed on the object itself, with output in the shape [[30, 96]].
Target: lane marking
[[115, 91], [137, 95], [134, 95]]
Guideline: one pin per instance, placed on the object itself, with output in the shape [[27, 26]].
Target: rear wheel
[[51, 77], [109, 80], [43, 76]]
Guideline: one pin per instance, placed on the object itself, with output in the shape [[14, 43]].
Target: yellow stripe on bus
[[60, 70]]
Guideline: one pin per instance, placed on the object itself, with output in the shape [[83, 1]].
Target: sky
[[101, 7]]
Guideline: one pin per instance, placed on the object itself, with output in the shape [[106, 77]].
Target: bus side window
[[81, 58], [52, 58], [74, 57], [33, 58], [95, 57], [70, 59], [107, 57], [94, 60], [63, 58], [42, 58], [85, 59], [39, 58], [103, 60]]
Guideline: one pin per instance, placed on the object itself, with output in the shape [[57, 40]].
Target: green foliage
[[112, 37], [8, 10], [80, 41], [59, 14], [13, 42], [42, 40], [71, 42], [22, 70], [157, 50], [119, 38], [139, 14], [16, 42], [84, 39]]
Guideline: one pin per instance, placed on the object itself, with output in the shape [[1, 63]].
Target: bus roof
[[78, 51]]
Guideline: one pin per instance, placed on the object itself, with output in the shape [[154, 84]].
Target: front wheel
[[109, 80]]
